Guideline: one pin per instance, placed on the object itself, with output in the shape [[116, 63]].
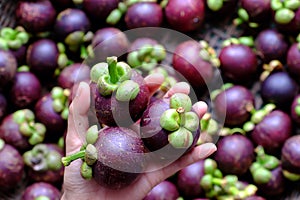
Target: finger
[[200, 108], [196, 154], [77, 119], [154, 81], [180, 87]]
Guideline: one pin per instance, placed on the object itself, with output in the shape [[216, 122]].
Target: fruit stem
[[68, 159], [112, 69], [180, 111]]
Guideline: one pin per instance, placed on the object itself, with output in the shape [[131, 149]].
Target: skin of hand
[[75, 187]]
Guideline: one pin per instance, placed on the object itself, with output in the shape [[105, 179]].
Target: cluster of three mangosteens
[[116, 155]]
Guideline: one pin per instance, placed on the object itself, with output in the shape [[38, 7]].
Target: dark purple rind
[[37, 189], [11, 167], [279, 88], [10, 133], [272, 131], [8, 68], [55, 124], [72, 74], [232, 105], [42, 57], [290, 154], [188, 63], [164, 190], [69, 21], [235, 154], [188, 180], [185, 16], [144, 14], [238, 63], [36, 16], [271, 45], [26, 89], [120, 157]]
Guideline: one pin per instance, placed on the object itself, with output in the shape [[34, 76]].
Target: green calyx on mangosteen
[[41, 158], [60, 102], [115, 76], [180, 121], [28, 127]]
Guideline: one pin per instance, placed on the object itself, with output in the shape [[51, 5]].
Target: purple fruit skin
[[11, 167], [271, 45], [72, 74], [111, 112], [144, 14], [154, 137], [235, 154], [3, 106], [55, 124], [290, 154], [69, 21], [10, 133], [8, 67], [294, 116], [293, 61], [187, 62], [120, 157], [188, 180], [99, 9], [275, 186], [49, 176], [109, 41], [279, 88], [231, 105], [37, 189], [36, 16], [273, 131], [258, 10], [26, 89], [186, 15], [238, 63], [42, 57], [165, 190]]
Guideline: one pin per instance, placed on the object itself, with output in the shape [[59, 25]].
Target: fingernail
[[207, 149], [79, 89]]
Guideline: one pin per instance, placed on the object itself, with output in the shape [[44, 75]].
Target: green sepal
[[170, 120], [181, 138], [127, 90], [86, 171]]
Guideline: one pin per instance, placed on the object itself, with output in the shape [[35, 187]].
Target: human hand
[[75, 187]]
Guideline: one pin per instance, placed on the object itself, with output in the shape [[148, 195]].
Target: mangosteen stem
[[112, 69], [180, 111], [68, 159]]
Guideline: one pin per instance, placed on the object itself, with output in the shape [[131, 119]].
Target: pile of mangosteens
[[242, 57]]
